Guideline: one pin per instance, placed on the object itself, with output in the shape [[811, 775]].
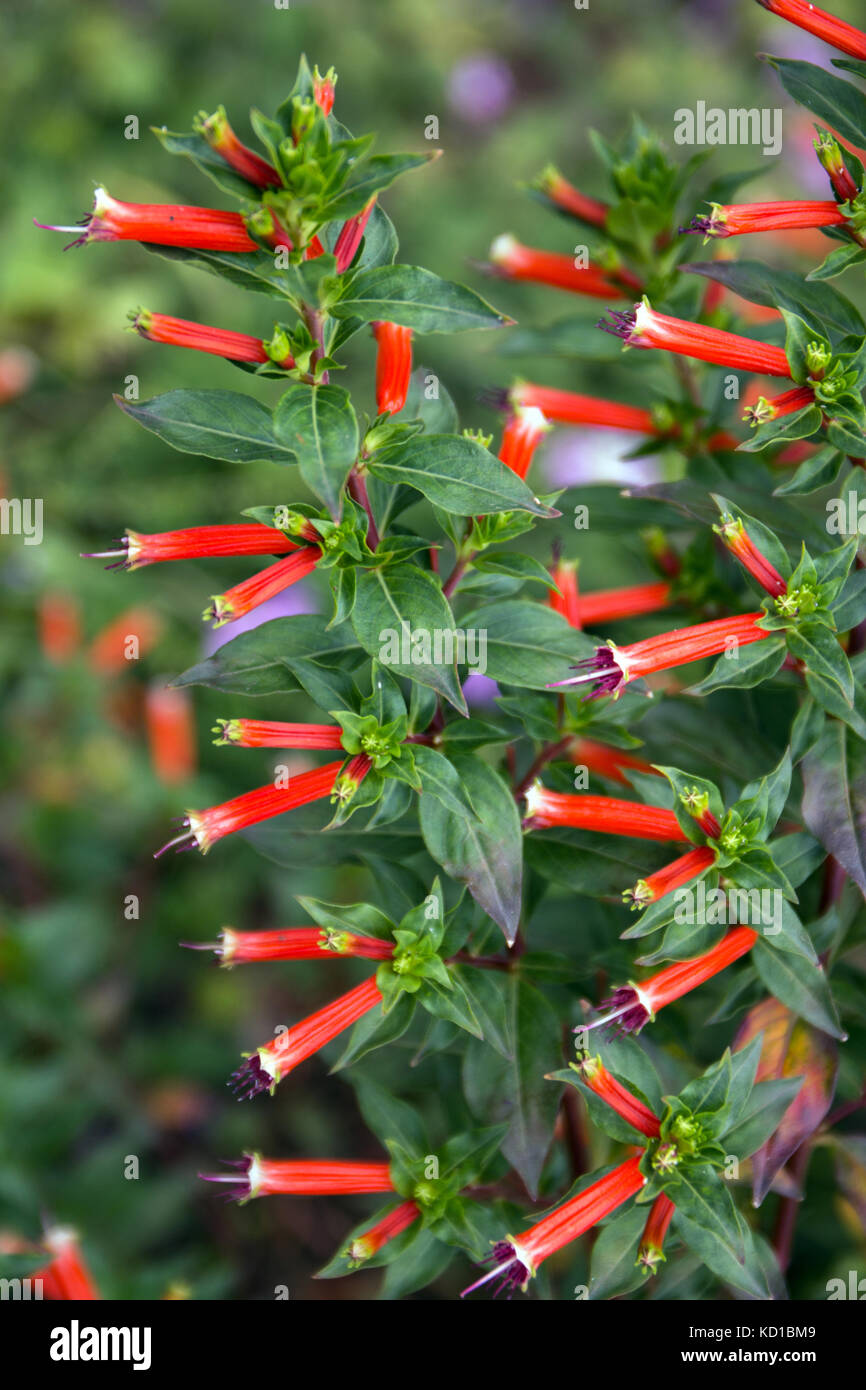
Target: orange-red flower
[[738, 541], [738, 219], [264, 1068], [517, 1258], [196, 542], [162, 224], [514, 261], [650, 1251], [221, 342], [567, 198], [606, 761], [254, 1176], [766, 409], [823, 25], [393, 366], [222, 139], [612, 667], [351, 232], [571, 408], [393, 1224], [292, 943], [523, 432], [263, 733], [631, 1006], [250, 593], [545, 808], [643, 327], [204, 828], [672, 876], [66, 1277], [602, 1083]]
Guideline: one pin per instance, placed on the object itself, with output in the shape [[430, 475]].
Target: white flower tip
[[502, 248]]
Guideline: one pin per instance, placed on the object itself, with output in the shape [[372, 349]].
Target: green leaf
[[485, 851], [402, 619], [797, 984], [390, 1118], [612, 1270], [376, 1029], [838, 104], [217, 424], [818, 648], [528, 644], [837, 262], [371, 176], [761, 1116], [746, 667], [508, 1089], [197, 149], [318, 424], [819, 305], [416, 298], [261, 662], [813, 473], [834, 798], [721, 1243], [457, 474]]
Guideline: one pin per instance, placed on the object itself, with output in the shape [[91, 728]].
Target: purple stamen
[[239, 1178], [515, 1274], [621, 324], [250, 1079], [628, 1014]]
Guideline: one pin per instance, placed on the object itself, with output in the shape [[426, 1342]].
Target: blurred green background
[[113, 1041]]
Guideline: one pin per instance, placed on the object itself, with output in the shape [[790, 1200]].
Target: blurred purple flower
[[480, 690], [298, 599], [595, 456], [480, 88]]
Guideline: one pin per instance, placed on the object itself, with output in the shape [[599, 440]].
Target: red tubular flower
[[596, 1076], [787, 403], [829, 153], [59, 620], [292, 943], [323, 90], [634, 1005], [523, 432], [643, 327], [514, 261], [567, 198], [250, 593], [739, 219], [206, 827], [196, 542], [737, 540], [221, 342], [222, 139], [824, 26], [608, 605], [351, 232], [170, 733], [254, 1176], [161, 224], [393, 366], [650, 1252], [365, 1246], [517, 1260], [67, 1276], [672, 876], [570, 408], [611, 668], [109, 650], [264, 1068], [263, 733], [566, 601], [607, 762], [545, 808]]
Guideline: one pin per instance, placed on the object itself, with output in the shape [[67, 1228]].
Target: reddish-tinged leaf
[[790, 1048]]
